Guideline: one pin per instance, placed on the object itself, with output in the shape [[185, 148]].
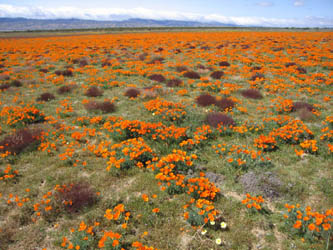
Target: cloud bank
[[123, 14]]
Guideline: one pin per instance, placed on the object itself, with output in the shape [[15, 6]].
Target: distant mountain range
[[24, 24]]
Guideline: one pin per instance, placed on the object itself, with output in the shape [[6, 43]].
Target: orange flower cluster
[[241, 156], [253, 202], [204, 210], [8, 173], [200, 134], [309, 146], [66, 109], [120, 128], [140, 246], [327, 130], [111, 237], [132, 152], [306, 220], [202, 188], [166, 110], [16, 200], [282, 105], [117, 213], [84, 233], [265, 143], [20, 116], [292, 132]]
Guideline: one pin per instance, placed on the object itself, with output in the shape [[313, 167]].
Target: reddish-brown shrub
[[132, 92], [302, 105], [44, 70], [142, 56], [94, 92], [224, 63], [4, 77], [205, 100], [301, 70], [157, 78], [16, 83], [305, 115], [289, 64], [215, 119], [255, 68], [20, 140], [191, 75], [46, 97], [77, 196], [174, 82], [225, 104], [65, 72], [64, 89], [181, 68], [4, 86], [251, 93], [217, 74], [91, 105], [107, 107], [106, 62], [157, 59]]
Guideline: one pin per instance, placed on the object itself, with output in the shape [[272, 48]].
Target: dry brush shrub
[[20, 140], [217, 74], [65, 72], [251, 93], [132, 92], [215, 119], [4, 86], [157, 59], [46, 97], [180, 69], [76, 196], [225, 104], [81, 61], [4, 77], [93, 92], [297, 106], [157, 78], [289, 64], [105, 107], [301, 70], [305, 115], [255, 68], [174, 82], [44, 70], [64, 89], [224, 64], [16, 83], [205, 100], [191, 75]]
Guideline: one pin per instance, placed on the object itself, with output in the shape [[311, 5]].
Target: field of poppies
[[167, 140]]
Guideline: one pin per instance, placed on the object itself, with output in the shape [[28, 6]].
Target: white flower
[[218, 241], [223, 225], [212, 222], [204, 231]]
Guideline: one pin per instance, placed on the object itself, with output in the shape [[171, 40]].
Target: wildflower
[[204, 231], [218, 241], [223, 225]]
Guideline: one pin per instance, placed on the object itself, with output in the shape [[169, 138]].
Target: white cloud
[[122, 14], [298, 3], [265, 4]]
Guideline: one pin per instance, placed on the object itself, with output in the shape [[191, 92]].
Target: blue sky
[[302, 13]]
